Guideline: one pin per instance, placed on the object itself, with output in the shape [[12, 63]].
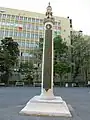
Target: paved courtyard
[[13, 99]]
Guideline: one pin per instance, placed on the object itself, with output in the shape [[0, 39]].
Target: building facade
[[27, 27]]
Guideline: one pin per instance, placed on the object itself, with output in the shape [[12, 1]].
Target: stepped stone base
[[44, 107]]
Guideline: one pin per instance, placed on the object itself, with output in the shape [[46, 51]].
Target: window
[[59, 28], [30, 44], [36, 45], [29, 19], [40, 36], [36, 27], [21, 17], [24, 26], [19, 34], [70, 21], [17, 17], [31, 55], [58, 23], [6, 33], [25, 54], [28, 26], [36, 36], [10, 33], [41, 27], [70, 32], [32, 27], [41, 20], [23, 44], [27, 44], [55, 27], [13, 16], [55, 23], [8, 16], [25, 18], [33, 19], [19, 43], [32, 35], [8, 24], [15, 34], [0, 15], [23, 35], [70, 26], [37, 20], [1, 33], [4, 15], [28, 35]]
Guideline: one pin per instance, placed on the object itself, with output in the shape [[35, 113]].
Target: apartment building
[[27, 27]]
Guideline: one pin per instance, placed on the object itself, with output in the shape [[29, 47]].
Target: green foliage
[[38, 51], [60, 47], [62, 68], [9, 53], [80, 57], [27, 68], [61, 65], [61, 62], [8, 44]]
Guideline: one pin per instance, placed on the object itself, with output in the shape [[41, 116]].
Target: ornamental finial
[[49, 11], [49, 14], [49, 4]]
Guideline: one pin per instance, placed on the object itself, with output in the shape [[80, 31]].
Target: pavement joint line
[[12, 107], [74, 114]]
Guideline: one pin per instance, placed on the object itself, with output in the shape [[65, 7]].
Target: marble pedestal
[[44, 107]]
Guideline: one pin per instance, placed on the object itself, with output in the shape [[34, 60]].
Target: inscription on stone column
[[47, 72]]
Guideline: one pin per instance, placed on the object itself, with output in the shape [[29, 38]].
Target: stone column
[[47, 104], [47, 62]]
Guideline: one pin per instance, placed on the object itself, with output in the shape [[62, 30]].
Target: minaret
[[47, 62]]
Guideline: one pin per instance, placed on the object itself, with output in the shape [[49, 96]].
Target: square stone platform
[[43, 107]]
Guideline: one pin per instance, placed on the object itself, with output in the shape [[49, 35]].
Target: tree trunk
[[86, 76], [5, 78], [60, 80]]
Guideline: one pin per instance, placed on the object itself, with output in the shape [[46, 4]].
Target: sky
[[77, 10]]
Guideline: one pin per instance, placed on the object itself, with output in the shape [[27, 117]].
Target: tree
[[39, 51], [60, 55], [27, 69], [60, 47], [9, 53], [62, 68], [61, 62], [80, 57]]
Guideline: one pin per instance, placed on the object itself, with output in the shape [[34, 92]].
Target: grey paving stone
[[12, 100]]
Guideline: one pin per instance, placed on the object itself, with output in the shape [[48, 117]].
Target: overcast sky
[[77, 10]]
